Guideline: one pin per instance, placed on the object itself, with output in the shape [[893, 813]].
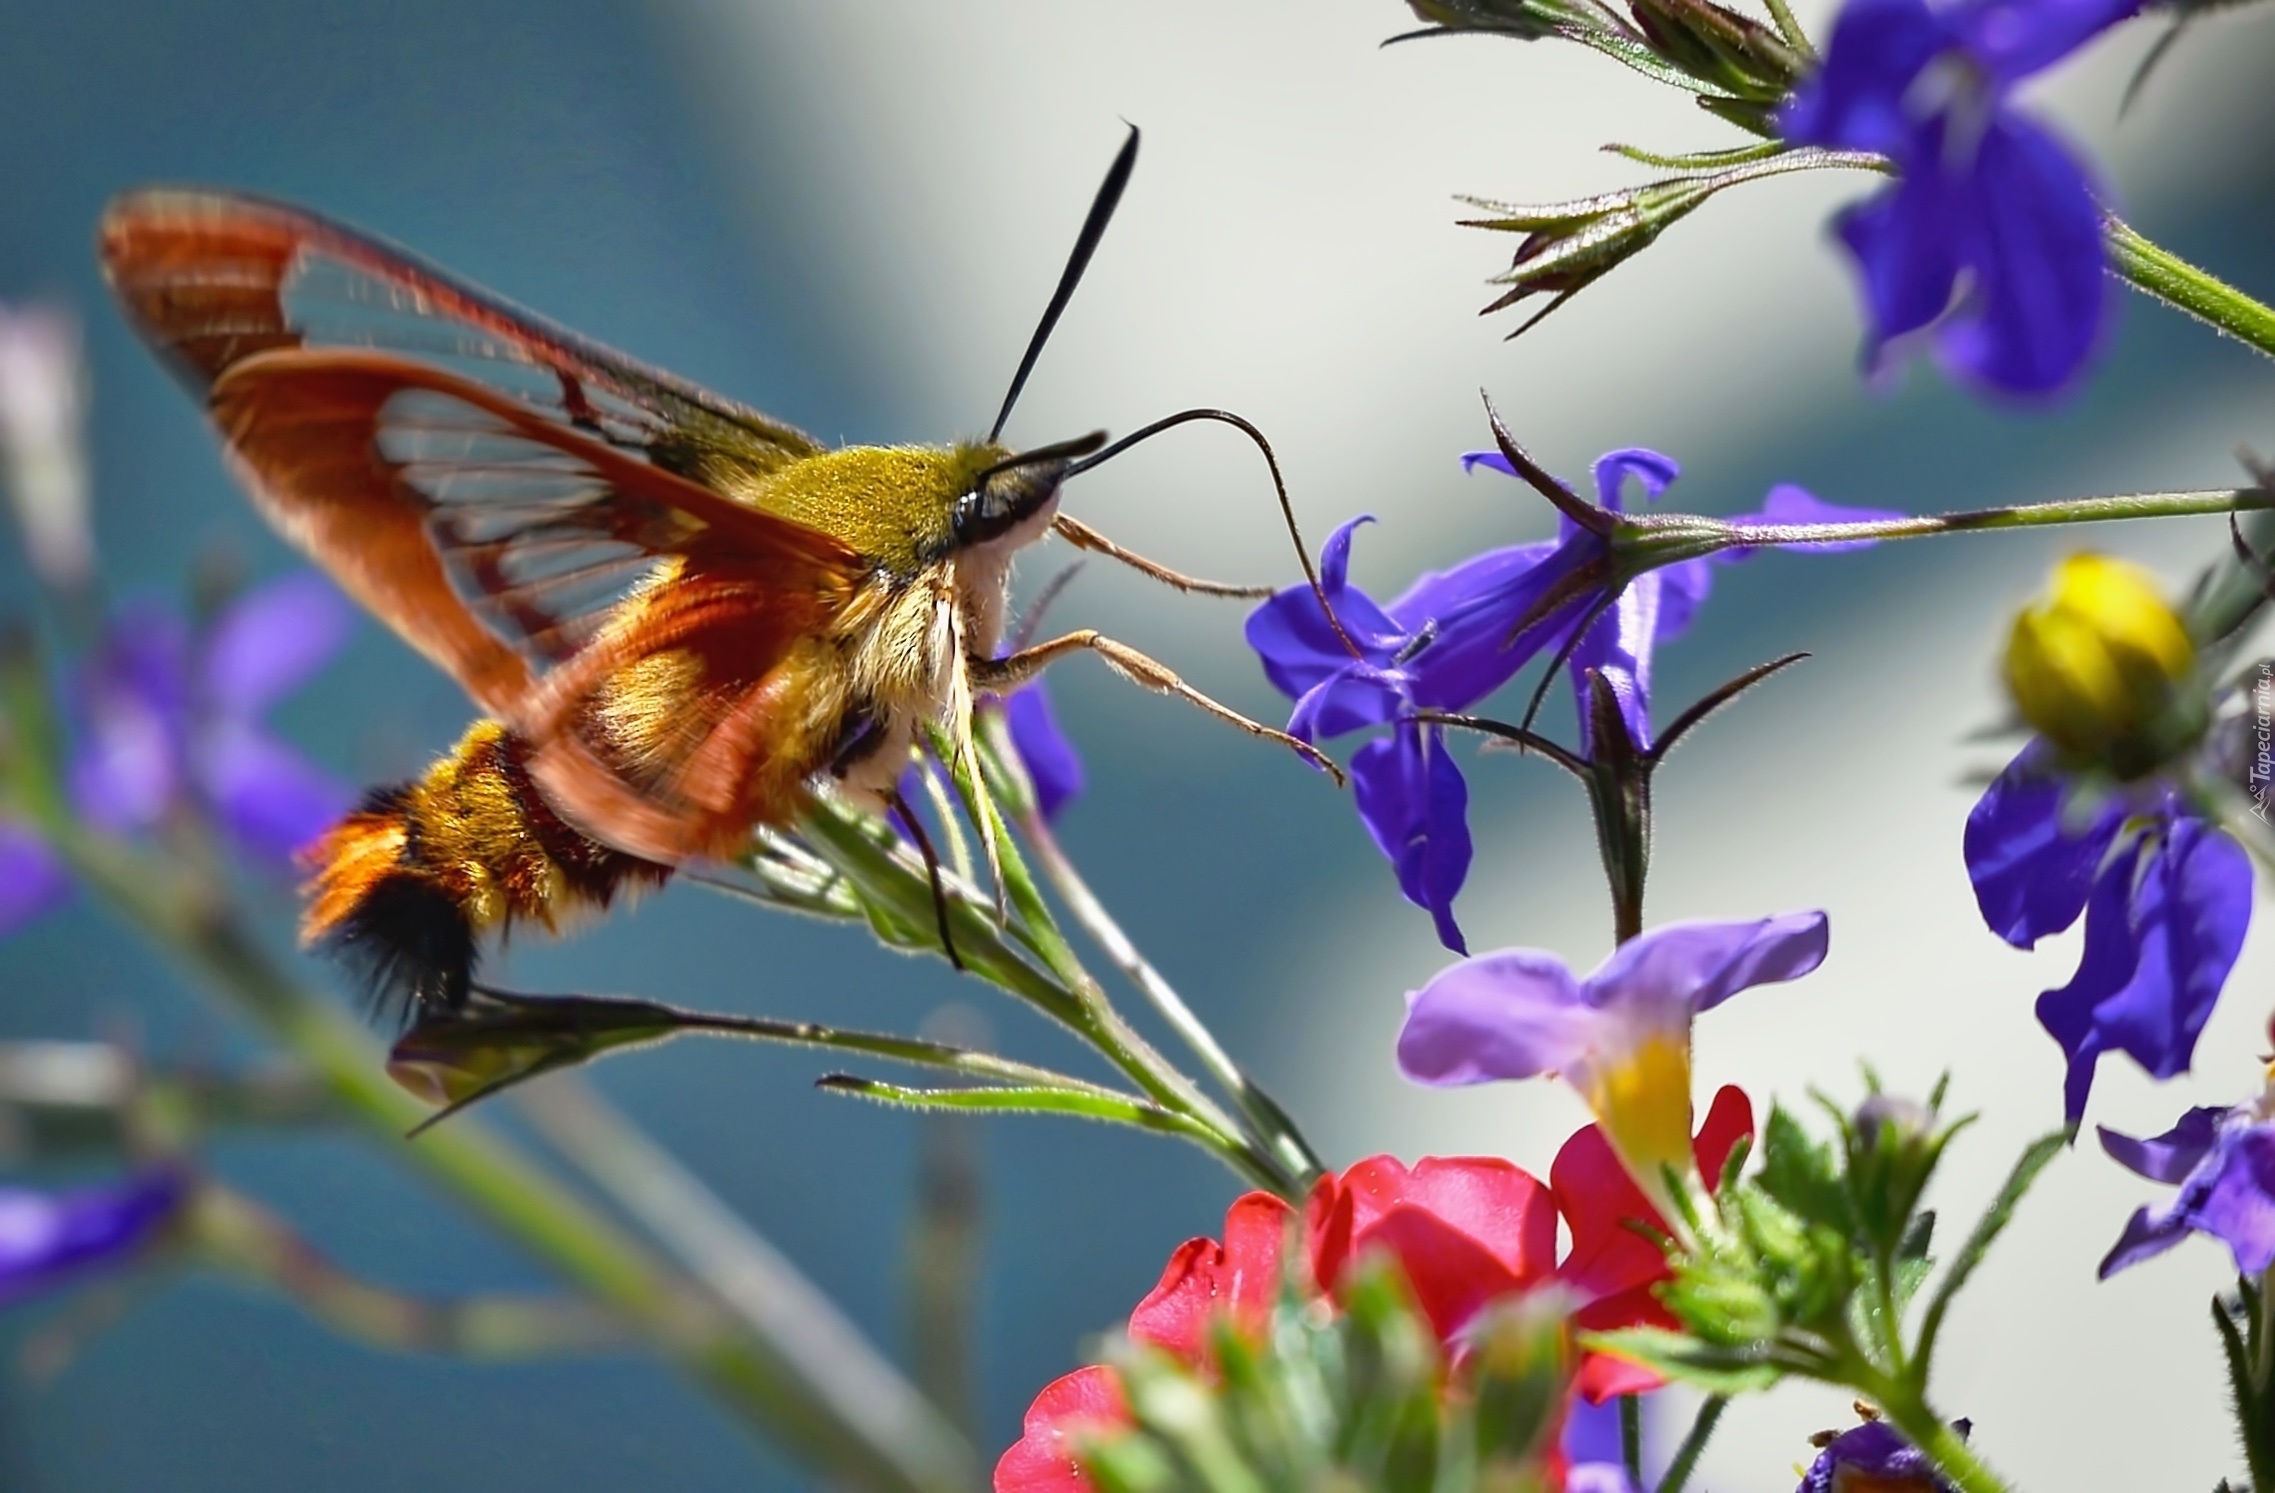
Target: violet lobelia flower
[[1873, 1458], [166, 720], [2223, 1162], [1989, 206], [2166, 898], [48, 1238], [1455, 636], [1621, 1036]]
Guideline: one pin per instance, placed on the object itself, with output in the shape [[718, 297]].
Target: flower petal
[[272, 800], [1516, 1013], [1414, 802], [2039, 302], [272, 640], [45, 1237], [1050, 758], [1618, 646], [1205, 1278], [1698, 965], [2230, 1198], [134, 712], [32, 878], [2163, 928], [2169, 1157], [1043, 1461], [1856, 100], [1291, 635], [1656, 472], [2031, 874], [1906, 244], [1452, 1275], [2011, 39], [2146, 1236]]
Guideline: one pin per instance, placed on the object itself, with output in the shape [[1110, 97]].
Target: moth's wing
[[212, 278], [631, 623]]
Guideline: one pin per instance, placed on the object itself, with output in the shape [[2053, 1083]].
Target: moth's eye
[[1006, 498]]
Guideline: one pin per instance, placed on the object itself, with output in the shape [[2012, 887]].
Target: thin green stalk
[[1631, 1437], [1694, 1445], [2165, 276], [1083, 1009], [1104, 1026], [2025, 516], [1945, 1447], [1271, 1121]]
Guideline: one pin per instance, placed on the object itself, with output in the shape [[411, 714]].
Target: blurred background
[[849, 215]]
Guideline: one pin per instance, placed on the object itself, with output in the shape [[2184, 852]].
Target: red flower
[[1466, 1230], [1611, 1266]]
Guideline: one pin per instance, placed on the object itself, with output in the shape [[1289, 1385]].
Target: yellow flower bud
[[2105, 670]]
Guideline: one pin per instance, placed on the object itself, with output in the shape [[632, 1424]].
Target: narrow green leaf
[[1083, 1103], [1993, 1222], [1694, 1444]]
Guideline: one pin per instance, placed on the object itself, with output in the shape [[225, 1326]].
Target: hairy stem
[[1272, 1122], [2165, 276]]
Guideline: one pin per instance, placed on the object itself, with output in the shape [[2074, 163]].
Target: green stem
[[1686, 1456], [1264, 1113], [2163, 275], [2025, 516], [1631, 1436], [1966, 1472], [1083, 1009]]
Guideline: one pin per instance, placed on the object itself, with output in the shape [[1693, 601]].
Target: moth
[[680, 616]]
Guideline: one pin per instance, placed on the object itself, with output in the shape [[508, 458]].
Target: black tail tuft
[[411, 944]]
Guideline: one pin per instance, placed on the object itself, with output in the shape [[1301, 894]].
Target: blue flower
[[165, 721], [47, 1238], [1988, 205], [2166, 898], [2223, 1161], [1454, 637]]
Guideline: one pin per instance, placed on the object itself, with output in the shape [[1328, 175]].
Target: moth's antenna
[[1085, 244], [1279, 485]]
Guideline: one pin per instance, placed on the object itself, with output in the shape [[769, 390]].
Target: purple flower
[[1444, 644], [1873, 1457], [165, 720], [2223, 1161], [45, 1238], [1988, 204], [1050, 758], [1454, 637], [1621, 1037], [2166, 898]]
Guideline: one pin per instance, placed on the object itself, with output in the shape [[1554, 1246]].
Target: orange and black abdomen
[[407, 886]]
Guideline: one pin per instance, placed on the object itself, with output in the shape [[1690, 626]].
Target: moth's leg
[[1083, 537], [1008, 673], [916, 832]]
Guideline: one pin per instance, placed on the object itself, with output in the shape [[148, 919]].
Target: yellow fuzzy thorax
[[895, 505]]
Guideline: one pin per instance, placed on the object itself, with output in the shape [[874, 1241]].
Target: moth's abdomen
[[408, 887]]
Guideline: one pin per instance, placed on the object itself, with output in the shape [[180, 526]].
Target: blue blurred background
[[849, 216]]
